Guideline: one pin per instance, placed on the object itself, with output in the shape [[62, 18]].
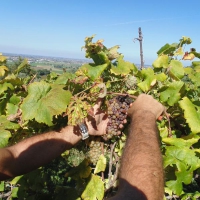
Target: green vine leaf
[[2, 186], [167, 49], [184, 176], [15, 192], [5, 127], [63, 78], [21, 66], [175, 186], [195, 78], [186, 162], [4, 137], [196, 63], [171, 94], [11, 109], [180, 142], [14, 80], [93, 71], [94, 189], [191, 114], [45, 101], [183, 158], [5, 86], [196, 54]]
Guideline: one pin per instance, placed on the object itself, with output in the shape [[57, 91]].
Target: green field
[[56, 66]]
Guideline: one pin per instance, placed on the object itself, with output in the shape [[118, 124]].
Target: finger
[[101, 128], [161, 110], [97, 105], [160, 118]]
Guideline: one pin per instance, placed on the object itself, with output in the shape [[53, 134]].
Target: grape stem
[[33, 78], [110, 164], [83, 91], [122, 94], [8, 194], [169, 124], [102, 150]]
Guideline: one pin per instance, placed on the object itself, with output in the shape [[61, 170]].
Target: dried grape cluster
[[117, 114], [95, 151]]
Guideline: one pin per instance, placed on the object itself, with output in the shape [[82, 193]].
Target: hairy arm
[[141, 172], [36, 151]]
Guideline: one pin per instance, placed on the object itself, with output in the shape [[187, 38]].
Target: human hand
[[97, 124], [146, 103]]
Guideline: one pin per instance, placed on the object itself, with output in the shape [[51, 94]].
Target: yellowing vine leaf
[[161, 77], [3, 70], [179, 52], [188, 56], [176, 69], [6, 124], [2, 58], [94, 189], [149, 79], [161, 61], [78, 111], [123, 67], [112, 52], [44, 101], [81, 171], [101, 164], [185, 40]]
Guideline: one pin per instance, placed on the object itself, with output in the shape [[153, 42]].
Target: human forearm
[[141, 167], [36, 151]]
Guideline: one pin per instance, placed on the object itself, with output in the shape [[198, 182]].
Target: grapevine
[[117, 83]]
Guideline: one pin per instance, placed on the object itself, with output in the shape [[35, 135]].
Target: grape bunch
[[95, 151], [75, 157], [117, 115]]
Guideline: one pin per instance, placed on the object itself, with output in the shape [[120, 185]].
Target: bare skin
[[36, 151], [141, 174]]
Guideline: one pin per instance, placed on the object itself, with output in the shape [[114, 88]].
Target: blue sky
[[58, 28]]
